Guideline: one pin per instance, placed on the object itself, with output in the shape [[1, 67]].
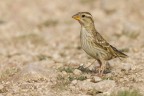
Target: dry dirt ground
[[40, 50]]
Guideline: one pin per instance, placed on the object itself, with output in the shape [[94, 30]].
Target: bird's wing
[[102, 43]]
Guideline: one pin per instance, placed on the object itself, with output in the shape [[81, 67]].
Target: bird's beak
[[77, 17]]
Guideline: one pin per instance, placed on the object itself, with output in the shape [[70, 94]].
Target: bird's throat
[[89, 28]]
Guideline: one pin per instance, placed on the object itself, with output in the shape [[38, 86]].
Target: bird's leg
[[90, 64], [102, 70], [102, 67], [108, 67], [81, 67], [99, 69]]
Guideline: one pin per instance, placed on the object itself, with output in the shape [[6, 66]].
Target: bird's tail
[[119, 53]]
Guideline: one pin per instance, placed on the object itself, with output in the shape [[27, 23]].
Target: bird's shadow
[[87, 70]]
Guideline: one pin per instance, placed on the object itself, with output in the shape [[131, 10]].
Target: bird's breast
[[89, 46], [87, 43]]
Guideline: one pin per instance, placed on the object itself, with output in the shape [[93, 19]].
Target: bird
[[94, 44]]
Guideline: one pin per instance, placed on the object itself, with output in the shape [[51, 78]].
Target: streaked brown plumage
[[93, 43]]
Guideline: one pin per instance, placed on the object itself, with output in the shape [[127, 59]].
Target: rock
[[88, 80], [105, 86], [77, 72], [64, 73], [85, 85], [96, 79], [74, 82]]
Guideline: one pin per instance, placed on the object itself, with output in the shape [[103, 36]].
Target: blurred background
[[37, 30]]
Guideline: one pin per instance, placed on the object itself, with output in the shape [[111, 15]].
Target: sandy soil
[[40, 49]]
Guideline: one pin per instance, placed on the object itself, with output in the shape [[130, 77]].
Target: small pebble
[[77, 72], [64, 73], [74, 82], [96, 79]]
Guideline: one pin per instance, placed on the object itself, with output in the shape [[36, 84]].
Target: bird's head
[[85, 18]]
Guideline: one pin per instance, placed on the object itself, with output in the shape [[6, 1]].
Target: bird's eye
[[83, 15]]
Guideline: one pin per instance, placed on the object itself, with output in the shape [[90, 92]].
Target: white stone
[[74, 82], [77, 72], [64, 73], [96, 79], [88, 80]]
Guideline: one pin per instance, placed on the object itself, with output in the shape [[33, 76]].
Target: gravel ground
[[40, 50]]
